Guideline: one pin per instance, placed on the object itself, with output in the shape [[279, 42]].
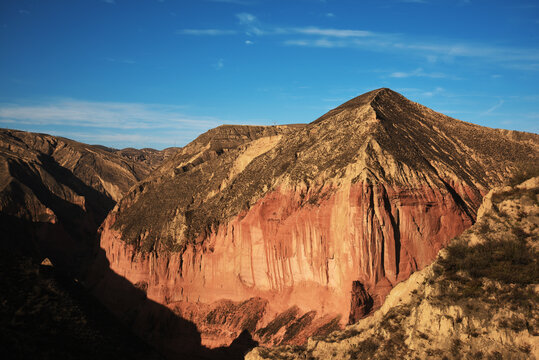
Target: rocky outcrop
[[369, 192], [360, 302], [478, 300]]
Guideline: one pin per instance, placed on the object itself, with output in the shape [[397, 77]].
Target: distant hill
[[55, 192]]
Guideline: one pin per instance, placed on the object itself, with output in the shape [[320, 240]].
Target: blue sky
[[157, 73]]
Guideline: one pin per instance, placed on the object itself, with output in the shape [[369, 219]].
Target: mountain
[[55, 192], [299, 230], [478, 300], [151, 158]]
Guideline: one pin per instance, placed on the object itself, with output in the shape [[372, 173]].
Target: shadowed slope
[[72, 186], [54, 192]]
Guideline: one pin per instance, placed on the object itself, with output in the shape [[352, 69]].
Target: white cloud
[[517, 58], [108, 123], [249, 42], [434, 92], [492, 108], [433, 50], [107, 115], [251, 23], [418, 73], [219, 64], [246, 18], [330, 15], [211, 32], [339, 33]]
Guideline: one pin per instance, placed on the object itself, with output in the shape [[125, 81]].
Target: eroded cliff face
[[479, 299], [311, 253], [369, 192]]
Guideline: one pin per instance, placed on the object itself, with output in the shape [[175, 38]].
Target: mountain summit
[[297, 230]]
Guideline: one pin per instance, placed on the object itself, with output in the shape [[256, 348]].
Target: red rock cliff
[[270, 236]]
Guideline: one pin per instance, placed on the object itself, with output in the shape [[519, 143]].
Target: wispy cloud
[[246, 18], [210, 32], [100, 114], [338, 33], [251, 23], [423, 93], [432, 50], [109, 123], [419, 72], [517, 58], [330, 15], [219, 64], [492, 108], [438, 90]]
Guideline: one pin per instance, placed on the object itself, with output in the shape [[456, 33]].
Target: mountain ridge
[[368, 193], [55, 192]]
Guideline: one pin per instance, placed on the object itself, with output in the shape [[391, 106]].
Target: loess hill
[[292, 231]]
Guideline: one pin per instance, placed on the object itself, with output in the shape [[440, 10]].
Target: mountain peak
[[372, 98], [302, 219]]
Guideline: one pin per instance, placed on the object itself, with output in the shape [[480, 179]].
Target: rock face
[[360, 303], [479, 300], [55, 192], [288, 220]]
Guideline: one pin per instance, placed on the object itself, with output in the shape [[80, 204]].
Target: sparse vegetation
[[365, 350], [523, 173], [507, 261], [44, 314], [514, 323]]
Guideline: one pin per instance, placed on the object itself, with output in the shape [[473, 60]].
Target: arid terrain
[[279, 237], [478, 300]]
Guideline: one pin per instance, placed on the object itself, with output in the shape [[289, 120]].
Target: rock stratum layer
[[269, 232], [478, 300]]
